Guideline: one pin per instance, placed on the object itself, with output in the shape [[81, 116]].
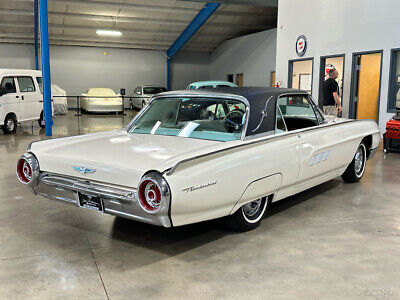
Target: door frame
[[322, 71], [354, 77], [290, 71], [391, 105]]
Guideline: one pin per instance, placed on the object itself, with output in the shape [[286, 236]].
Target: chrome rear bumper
[[117, 201]]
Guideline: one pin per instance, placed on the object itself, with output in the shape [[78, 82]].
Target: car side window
[[40, 83], [297, 112], [26, 84], [280, 123], [8, 85]]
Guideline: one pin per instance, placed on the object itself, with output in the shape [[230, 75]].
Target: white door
[[10, 101], [320, 147], [29, 97]]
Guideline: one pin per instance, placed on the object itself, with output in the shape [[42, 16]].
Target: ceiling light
[[109, 32]]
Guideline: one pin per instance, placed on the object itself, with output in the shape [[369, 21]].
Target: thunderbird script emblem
[[84, 170]]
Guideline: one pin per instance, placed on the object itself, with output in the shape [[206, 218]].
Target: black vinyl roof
[[257, 98]]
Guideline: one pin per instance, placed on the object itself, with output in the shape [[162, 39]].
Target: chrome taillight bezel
[[161, 184], [33, 163]]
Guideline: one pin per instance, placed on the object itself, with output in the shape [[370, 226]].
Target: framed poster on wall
[[305, 82]]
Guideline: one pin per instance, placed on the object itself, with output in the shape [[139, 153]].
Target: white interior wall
[[336, 27], [75, 69], [252, 55], [188, 67]]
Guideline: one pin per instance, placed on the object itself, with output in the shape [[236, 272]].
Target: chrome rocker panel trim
[[372, 152], [116, 200]]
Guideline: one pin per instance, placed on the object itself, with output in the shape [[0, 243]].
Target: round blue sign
[[301, 45]]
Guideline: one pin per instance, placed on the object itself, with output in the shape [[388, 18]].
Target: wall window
[[301, 74], [394, 80], [26, 84]]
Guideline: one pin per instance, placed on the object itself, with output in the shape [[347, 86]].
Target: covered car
[[60, 103], [192, 156], [101, 100]]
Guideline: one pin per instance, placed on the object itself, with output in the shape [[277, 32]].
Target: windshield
[[193, 117], [153, 90]]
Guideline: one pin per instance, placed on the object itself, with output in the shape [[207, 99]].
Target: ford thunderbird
[[191, 156]]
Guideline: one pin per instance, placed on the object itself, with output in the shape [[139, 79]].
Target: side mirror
[[122, 92], [3, 91]]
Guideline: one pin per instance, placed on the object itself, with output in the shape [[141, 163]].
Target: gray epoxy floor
[[334, 241]]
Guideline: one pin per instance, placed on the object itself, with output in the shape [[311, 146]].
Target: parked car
[[210, 84], [59, 99], [20, 98], [192, 156], [101, 100], [143, 93]]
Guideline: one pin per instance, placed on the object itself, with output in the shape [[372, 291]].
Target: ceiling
[[144, 24]]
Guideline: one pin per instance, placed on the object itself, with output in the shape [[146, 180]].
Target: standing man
[[330, 93]]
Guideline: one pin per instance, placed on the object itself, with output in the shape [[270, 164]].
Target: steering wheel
[[233, 120]]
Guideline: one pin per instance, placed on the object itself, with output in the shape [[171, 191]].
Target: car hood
[[117, 157]]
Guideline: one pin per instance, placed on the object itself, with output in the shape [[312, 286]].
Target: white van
[[21, 98]]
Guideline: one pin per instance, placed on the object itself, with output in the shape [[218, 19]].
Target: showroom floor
[[334, 241]]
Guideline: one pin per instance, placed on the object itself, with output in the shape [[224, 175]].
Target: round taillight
[[24, 170], [149, 195], [28, 169]]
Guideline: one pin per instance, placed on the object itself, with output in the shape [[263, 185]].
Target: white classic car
[[101, 100], [191, 156]]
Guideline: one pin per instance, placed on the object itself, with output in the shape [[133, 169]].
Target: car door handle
[[299, 135], [22, 97]]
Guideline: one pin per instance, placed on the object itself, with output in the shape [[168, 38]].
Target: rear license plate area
[[90, 202]]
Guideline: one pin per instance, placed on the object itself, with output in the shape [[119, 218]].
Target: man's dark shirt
[[328, 88]]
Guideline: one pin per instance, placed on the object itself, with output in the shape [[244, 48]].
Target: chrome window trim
[[195, 94], [283, 119]]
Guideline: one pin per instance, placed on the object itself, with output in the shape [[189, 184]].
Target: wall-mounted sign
[[301, 45], [328, 67]]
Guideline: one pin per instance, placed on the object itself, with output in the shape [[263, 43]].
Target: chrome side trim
[[88, 187], [372, 152], [261, 140]]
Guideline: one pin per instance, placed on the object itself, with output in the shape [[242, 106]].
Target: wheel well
[[368, 143], [11, 114]]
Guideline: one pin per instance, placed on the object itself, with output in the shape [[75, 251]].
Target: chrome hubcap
[[359, 161], [250, 209], [10, 125]]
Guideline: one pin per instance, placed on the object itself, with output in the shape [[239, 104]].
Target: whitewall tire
[[249, 216]]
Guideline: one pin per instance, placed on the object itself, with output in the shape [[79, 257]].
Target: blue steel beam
[[44, 48], [36, 33], [190, 30]]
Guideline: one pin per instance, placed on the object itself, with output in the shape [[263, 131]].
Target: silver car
[[143, 93]]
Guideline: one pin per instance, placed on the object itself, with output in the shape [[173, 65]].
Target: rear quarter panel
[[211, 186]]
